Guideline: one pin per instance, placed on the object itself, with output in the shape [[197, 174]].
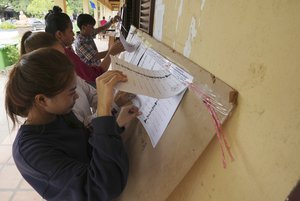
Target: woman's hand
[[116, 18], [126, 114], [116, 48], [123, 98], [105, 90]]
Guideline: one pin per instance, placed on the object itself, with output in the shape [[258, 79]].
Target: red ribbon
[[197, 90]]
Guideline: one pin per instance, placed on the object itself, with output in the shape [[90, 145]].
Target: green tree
[[4, 4], [74, 6], [39, 8], [20, 5], [17, 5]]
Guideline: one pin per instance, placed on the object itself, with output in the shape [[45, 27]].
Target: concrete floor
[[5, 124], [12, 186]]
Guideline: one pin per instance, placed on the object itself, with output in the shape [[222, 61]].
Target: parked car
[[36, 24]]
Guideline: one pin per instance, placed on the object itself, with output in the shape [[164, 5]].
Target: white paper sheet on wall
[[134, 56], [129, 47], [152, 60], [156, 113]]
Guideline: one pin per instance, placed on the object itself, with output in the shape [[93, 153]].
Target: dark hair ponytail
[[56, 20], [55, 10], [43, 71], [32, 41], [24, 38]]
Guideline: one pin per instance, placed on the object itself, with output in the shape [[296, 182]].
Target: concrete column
[[85, 6], [96, 16]]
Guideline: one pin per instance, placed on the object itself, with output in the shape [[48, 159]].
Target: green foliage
[[12, 54], [7, 25], [20, 5], [91, 11], [75, 27], [39, 8], [9, 55], [74, 6], [4, 4], [17, 5]]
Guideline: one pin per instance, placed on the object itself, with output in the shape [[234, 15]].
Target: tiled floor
[[12, 186]]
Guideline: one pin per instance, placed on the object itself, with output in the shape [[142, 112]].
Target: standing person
[[85, 46], [102, 23], [74, 16], [53, 151], [60, 26]]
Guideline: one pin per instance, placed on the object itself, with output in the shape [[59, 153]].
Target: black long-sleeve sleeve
[[62, 163]]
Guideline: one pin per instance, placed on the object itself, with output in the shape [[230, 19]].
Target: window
[[139, 13], [146, 14]]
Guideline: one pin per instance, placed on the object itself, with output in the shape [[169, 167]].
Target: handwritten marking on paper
[[140, 73], [153, 107], [154, 83]]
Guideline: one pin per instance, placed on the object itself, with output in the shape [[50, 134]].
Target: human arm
[[90, 93], [108, 24], [57, 162], [114, 50], [90, 55], [86, 72], [101, 55], [123, 98], [86, 104], [105, 90], [126, 114], [120, 98]]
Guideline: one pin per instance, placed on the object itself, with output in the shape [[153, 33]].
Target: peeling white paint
[[179, 13], [192, 34], [158, 20], [202, 4], [180, 8]]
